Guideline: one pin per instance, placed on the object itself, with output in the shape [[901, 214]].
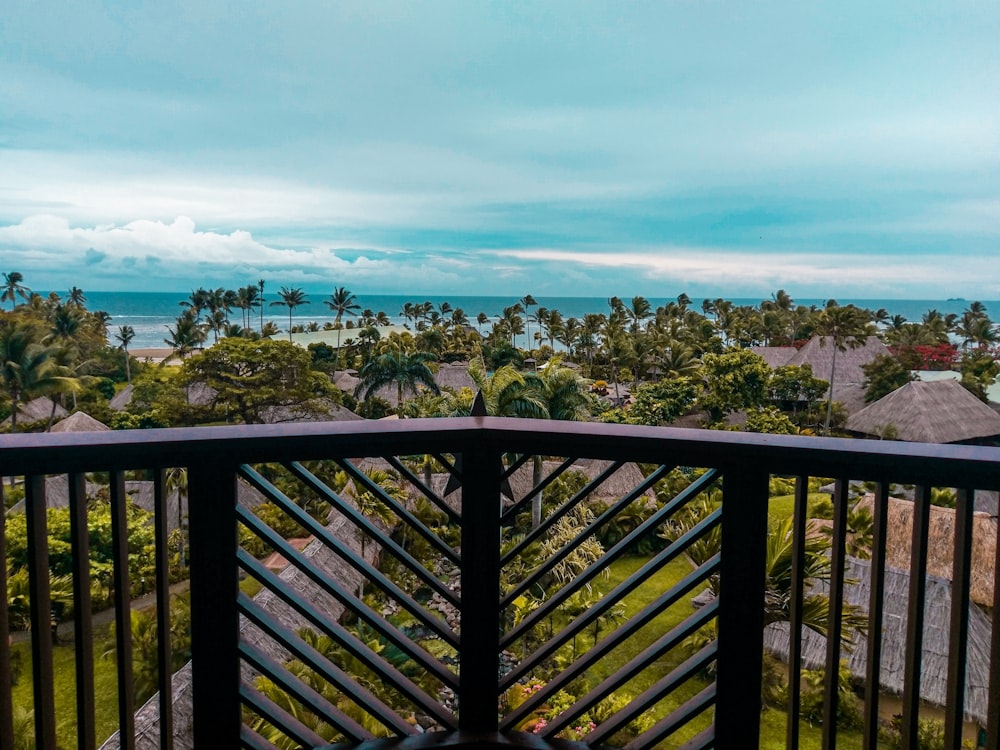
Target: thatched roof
[[320, 411], [80, 422], [934, 660], [345, 381], [818, 354], [122, 399], [198, 394], [775, 356], [35, 411], [941, 538], [454, 375], [935, 412]]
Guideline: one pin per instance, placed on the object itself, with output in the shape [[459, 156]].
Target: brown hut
[[80, 422], [934, 660], [933, 412], [848, 380], [36, 410], [941, 544], [775, 356]]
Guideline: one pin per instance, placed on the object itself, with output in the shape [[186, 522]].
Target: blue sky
[[555, 148]]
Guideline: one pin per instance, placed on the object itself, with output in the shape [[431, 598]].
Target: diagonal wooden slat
[[352, 603], [609, 600], [427, 492], [653, 694], [344, 552], [362, 479], [311, 700], [315, 661], [665, 727], [613, 597], [350, 643], [520, 506], [278, 717], [618, 550], [359, 520], [636, 665], [536, 575]]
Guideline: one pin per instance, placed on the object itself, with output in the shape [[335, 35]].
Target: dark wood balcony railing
[[462, 631]]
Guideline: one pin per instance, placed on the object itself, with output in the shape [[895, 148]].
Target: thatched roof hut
[[122, 399], [934, 412], [941, 544], [848, 386], [80, 422], [454, 375], [36, 410], [775, 356], [322, 411], [818, 354], [934, 660]]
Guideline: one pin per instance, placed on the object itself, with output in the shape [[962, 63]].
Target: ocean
[[150, 313]]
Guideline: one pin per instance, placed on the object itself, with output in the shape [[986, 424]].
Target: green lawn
[[64, 669], [781, 507], [773, 721]]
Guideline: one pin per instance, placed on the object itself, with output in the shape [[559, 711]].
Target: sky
[[555, 148]]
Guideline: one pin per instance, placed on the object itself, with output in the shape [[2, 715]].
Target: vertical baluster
[[86, 727], [6, 700], [161, 525], [799, 518], [215, 660], [958, 646], [480, 651], [876, 614], [838, 554], [123, 611], [41, 612], [915, 615], [741, 608], [993, 710]]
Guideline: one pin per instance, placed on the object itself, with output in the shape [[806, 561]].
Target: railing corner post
[[214, 616], [480, 650], [741, 607]]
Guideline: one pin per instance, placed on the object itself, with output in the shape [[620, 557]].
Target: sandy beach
[[155, 355]]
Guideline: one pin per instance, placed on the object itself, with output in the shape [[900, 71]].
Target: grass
[[773, 721], [64, 675], [781, 507]]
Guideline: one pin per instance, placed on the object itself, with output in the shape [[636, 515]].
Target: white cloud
[[871, 273]]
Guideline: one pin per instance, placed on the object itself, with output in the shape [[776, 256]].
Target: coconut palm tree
[[847, 328], [29, 367], [527, 301], [290, 298], [76, 298], [186, 335], [260, 303], [13, 288], [408, 370], [124, 336]]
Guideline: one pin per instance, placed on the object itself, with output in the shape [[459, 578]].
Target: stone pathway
[[104, 617]]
